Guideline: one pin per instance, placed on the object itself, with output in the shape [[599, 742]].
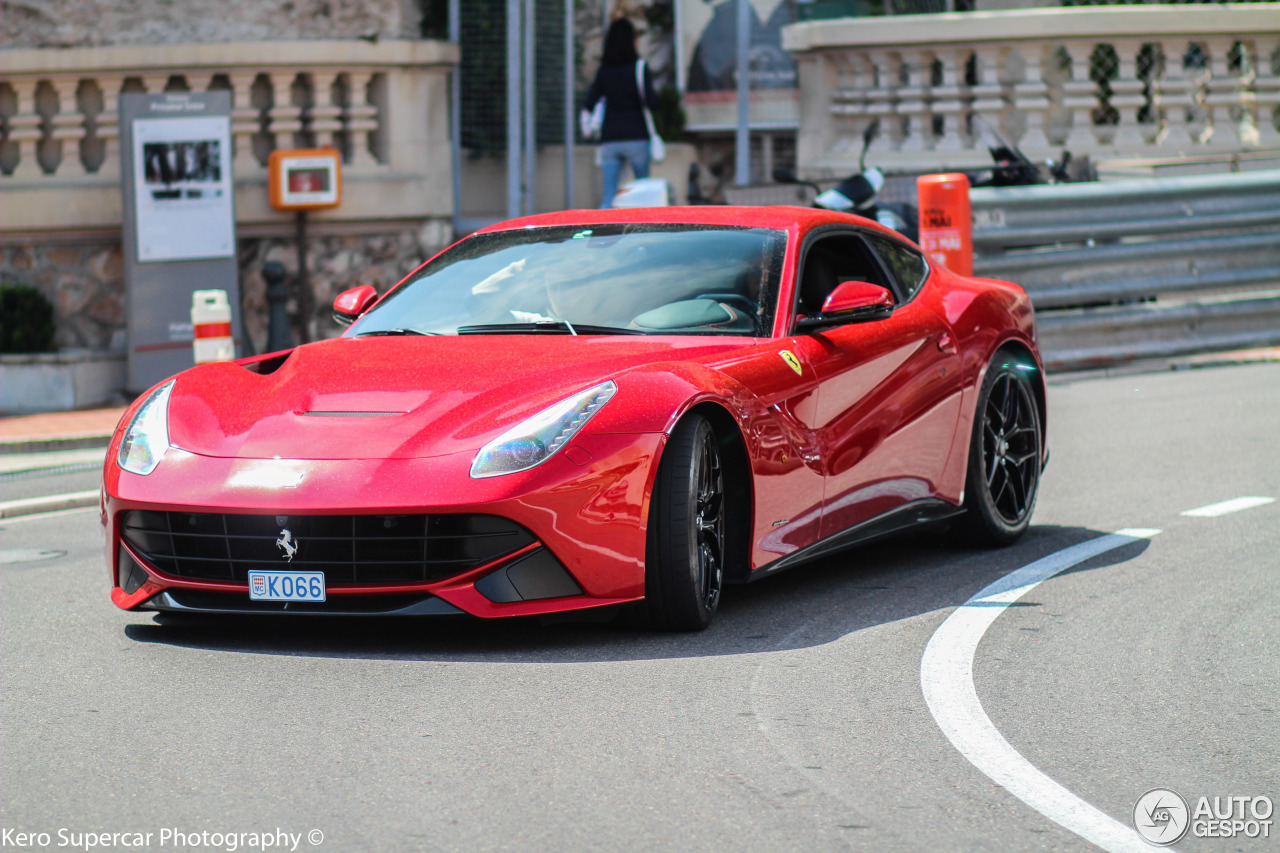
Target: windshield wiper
[[393, 333], [552, 327]]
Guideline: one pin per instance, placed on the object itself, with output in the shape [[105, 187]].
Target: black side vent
[[268, 365]]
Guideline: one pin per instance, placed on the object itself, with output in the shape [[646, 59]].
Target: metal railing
[[1152, 268]]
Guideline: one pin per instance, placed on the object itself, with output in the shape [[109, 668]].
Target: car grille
[[349, 549]]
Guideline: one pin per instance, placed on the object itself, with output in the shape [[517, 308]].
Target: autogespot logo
[[1161, 816]]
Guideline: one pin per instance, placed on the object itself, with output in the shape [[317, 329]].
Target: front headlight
[[147, 437], [534, 441]]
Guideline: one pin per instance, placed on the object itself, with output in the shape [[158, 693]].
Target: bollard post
[[278, 335], [211, 322], [946, 223], [304, 280]]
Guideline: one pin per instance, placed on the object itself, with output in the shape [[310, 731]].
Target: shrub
[[26, 320], [669, 117]]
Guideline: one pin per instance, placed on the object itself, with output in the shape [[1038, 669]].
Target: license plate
[[286, 586]]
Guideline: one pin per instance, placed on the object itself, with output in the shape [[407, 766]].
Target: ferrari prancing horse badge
[[790, 358]]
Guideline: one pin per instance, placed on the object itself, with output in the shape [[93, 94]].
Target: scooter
[[857, 193]]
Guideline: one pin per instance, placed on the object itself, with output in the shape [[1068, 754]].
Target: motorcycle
[[1014, 169], [857, 193]]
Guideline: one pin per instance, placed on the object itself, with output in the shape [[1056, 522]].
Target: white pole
[[455, 112], [742, 164], [530, 107], [515, 160], [570, 71]]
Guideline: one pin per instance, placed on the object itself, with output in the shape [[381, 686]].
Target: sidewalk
[[57, 431], [54, 442]]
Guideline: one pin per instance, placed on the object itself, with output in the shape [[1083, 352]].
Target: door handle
[[946, 344]]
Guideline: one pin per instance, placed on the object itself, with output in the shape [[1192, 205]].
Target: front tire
[[684, 561], [1005, 456]]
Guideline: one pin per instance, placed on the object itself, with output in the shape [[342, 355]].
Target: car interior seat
[[829, 263], [818, 279]]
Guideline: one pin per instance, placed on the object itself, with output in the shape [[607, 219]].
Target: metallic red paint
[[838, 425]]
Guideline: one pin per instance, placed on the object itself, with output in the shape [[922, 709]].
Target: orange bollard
[[946, 224]]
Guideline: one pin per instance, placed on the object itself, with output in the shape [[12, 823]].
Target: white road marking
[[28, 555], [49, 503], [17, 462], [946, 676], [5, 522], [1227, 507]]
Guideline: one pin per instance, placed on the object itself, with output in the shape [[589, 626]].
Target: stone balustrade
[[383, 105], [1111, 82]]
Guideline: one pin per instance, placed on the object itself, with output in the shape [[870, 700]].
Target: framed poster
[[183, 189], [707, 65]]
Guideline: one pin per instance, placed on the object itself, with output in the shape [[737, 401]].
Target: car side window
[[830, 261], [907, 266]]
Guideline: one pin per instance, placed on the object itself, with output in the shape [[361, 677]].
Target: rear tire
[[1005, 456], [684, 560]]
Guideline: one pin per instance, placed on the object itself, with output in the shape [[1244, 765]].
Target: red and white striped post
[[211, 320]]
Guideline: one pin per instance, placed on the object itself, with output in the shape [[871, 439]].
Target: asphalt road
[[797, 722]]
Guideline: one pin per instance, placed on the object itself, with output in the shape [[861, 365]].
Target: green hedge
[[26, 320]]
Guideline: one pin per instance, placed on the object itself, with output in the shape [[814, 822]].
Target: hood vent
[[267, 366]]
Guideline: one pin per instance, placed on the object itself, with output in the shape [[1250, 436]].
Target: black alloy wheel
[[1005, 456], [684, 569]]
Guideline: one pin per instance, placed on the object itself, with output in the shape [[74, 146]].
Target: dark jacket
[[623, 116]]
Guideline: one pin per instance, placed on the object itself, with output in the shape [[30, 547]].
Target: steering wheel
[[739, 300]]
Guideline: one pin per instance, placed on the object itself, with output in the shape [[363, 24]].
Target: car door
[[786, 462], [888, 390]]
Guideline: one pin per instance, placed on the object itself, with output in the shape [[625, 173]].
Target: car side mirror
[[851, 302], [350, 304], [856, 295]]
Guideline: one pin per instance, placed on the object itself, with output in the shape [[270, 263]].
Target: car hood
[[412, 397]]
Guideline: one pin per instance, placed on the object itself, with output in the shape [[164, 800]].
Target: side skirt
[[921, 513]]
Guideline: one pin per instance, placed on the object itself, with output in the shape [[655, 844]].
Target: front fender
[[654, 398]]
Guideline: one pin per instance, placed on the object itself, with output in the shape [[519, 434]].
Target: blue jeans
[[612, 154]]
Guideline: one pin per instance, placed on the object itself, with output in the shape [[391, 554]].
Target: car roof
[[781, 217]]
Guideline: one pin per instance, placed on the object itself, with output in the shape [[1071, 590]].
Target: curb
[[49, 503], [49, 445]]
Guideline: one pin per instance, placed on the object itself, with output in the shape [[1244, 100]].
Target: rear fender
[[987, 315]]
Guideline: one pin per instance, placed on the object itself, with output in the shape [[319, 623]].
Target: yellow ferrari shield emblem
[[790, 358]]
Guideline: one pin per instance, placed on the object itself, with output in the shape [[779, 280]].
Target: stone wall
[[334, 263], [85, 282], [81, 23]]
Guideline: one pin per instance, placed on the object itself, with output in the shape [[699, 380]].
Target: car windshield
[[600, 279]]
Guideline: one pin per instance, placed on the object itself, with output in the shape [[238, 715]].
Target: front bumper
[[195, 601], [584, 511]]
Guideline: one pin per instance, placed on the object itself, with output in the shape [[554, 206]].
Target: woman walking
[[624, 137]]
